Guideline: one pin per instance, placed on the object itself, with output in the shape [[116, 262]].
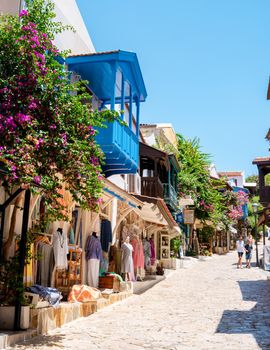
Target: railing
[[151, 187], [127, 141], [265, 195], [121, 148], [170, 195]]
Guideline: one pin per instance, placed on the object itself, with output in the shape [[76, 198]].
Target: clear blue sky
[[205, 64]]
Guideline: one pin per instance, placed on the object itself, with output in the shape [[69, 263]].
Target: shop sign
[[179, 218], [188, 216]]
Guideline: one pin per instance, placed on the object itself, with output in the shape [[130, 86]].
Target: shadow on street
[[255, 321], [50, 341]]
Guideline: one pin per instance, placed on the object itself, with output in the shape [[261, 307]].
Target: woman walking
[[248, 248], [240, 246]]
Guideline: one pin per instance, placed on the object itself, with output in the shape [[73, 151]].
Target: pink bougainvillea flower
[[37, 179], [23, 13]]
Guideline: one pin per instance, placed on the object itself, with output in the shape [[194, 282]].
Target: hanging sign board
[[179, 218], [188, 216]]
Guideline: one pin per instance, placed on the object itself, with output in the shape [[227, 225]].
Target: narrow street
[[210, 305]]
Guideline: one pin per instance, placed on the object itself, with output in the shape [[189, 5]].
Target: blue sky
[[205, 64]]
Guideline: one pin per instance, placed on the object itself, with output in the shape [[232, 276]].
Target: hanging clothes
[[135, 253], [93, 272], [153, 251], [60, 249], [141, 255], [45, 265], [124, 234], [147, 253], [116, 253], [93, 251], [105, 235], [127, 261], [28, 278]]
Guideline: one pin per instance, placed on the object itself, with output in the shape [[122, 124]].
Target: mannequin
[[93, 256], [127, 261]]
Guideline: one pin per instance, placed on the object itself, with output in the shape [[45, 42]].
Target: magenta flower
[[32, 105], [38, 143], [37, 179], [23, 118], [23, 13]]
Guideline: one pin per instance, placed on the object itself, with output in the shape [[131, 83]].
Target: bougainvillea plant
[[47, 133], [236, 212]]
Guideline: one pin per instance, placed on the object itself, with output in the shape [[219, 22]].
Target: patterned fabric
[[82, 294], [147, 252]]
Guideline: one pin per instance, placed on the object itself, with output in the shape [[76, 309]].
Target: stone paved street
[[210, 305]]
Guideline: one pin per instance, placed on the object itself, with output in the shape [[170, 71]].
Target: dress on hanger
[[60, 249]]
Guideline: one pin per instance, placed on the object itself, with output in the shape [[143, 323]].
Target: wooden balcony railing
[[151, 187]]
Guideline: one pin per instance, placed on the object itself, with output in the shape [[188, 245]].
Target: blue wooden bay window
[[116, 79]]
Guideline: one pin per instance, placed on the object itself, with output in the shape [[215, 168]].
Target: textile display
[[105, 234], [104, 263], [93, 248], [93, 272], [51, 295], [153, 252], [45, 265], [28, 276], [114, 275], [60, 249], [127, 262], [147, 252], [141, 255], [124, 234], [83, 294], [71, 236], [116, 256], [135, 253]]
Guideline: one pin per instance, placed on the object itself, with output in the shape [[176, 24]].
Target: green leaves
[[47, 134], [210, 195]]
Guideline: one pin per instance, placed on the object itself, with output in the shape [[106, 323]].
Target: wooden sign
[[188, 216]]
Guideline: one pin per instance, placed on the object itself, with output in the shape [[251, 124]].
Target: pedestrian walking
[[240, 246], [250, 239], [248, 248]]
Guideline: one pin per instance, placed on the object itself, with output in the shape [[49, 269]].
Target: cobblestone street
[[210, 305]]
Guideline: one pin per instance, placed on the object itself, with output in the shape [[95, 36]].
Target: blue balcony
[[116, 79]]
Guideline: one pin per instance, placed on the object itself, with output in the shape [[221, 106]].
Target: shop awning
[[122, 195], [155, 210]]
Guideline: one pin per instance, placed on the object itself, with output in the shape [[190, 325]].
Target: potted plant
[[11, 289]]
